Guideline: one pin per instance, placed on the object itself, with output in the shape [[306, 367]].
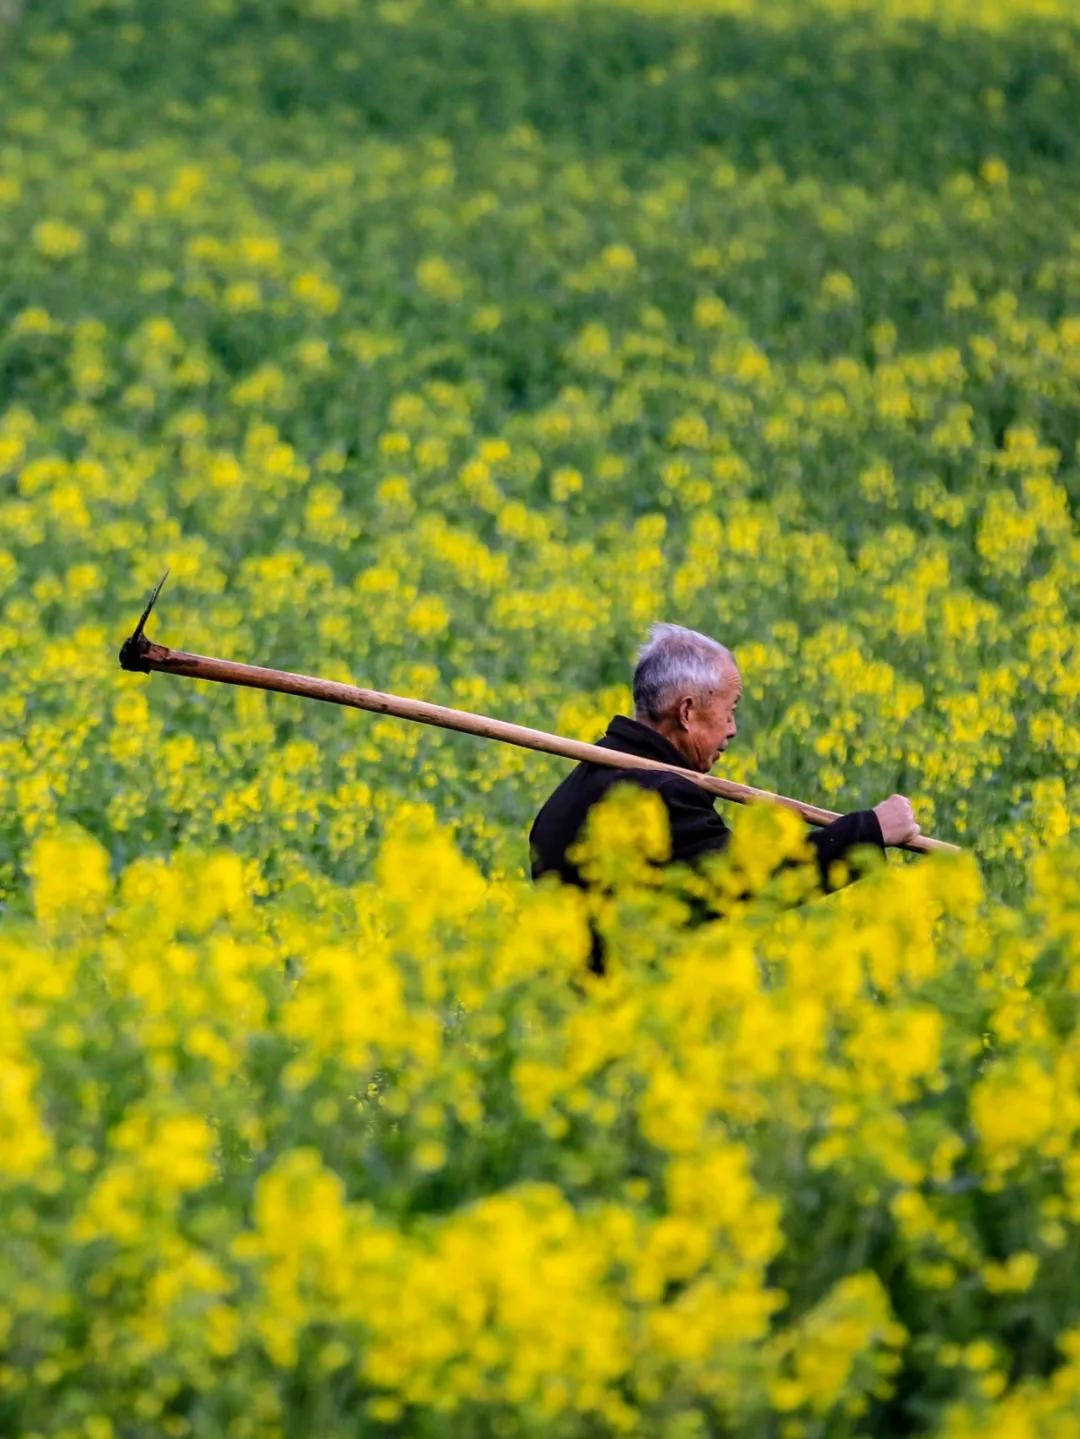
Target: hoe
[[141, 654]]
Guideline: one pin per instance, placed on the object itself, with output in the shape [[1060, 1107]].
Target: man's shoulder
[[671, 787], [685, 791], [588, 781]]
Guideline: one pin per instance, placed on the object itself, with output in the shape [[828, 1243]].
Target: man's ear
[[686, 704]]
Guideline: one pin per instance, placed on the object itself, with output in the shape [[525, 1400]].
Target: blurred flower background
[[441, 346]]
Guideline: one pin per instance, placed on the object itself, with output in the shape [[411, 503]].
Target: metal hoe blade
[[131, 651]]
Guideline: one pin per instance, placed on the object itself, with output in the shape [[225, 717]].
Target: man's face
[[709, 724]]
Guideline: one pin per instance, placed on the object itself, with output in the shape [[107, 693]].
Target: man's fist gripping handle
[[897, 819]]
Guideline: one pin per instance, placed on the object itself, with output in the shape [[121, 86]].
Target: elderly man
[[686, 691]]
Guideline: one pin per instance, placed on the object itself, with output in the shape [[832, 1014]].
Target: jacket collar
[[633, 737]]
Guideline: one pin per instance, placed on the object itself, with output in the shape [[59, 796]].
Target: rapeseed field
[[441, 346]]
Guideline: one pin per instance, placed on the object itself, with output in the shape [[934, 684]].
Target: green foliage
[[441, 346]]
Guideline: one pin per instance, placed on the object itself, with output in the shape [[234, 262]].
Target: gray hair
[[676, 659]]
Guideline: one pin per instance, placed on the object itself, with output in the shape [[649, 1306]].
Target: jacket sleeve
[[697, 829], [834, 841]]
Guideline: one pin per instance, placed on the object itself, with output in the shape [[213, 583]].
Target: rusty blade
[[131, 650]]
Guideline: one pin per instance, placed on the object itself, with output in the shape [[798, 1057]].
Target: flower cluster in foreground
[[354, 1160]]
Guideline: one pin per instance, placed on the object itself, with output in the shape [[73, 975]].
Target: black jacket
[[696, 828]]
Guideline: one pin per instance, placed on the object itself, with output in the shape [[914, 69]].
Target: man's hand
[[897, 819]]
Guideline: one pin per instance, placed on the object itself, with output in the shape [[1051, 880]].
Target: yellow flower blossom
[[57, 240]]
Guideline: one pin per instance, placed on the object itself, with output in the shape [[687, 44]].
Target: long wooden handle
[[204, 667]]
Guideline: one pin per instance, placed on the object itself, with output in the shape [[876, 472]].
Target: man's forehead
[[731, 682]]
